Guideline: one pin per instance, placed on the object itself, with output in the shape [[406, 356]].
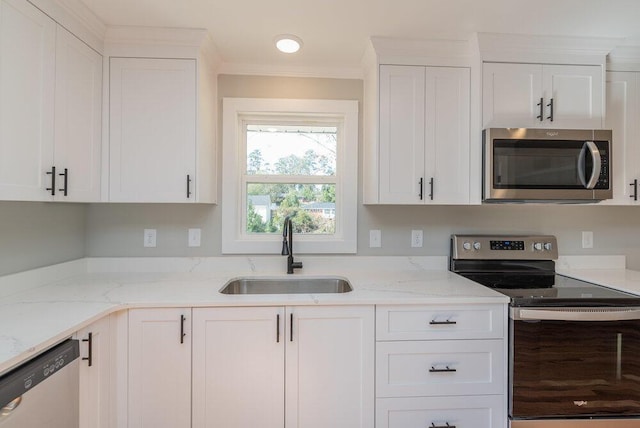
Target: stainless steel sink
[[287, 286]]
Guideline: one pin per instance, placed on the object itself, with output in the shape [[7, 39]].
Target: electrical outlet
[[587, 239], [149, 237], [416, 239], [375, 239], [193, 237]]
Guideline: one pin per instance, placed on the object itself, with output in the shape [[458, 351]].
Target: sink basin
[[287, 286]]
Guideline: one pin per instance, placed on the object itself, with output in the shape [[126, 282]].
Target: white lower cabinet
[[298, 367], [441, 412], [159, 368], [441, 366], [95, 372]]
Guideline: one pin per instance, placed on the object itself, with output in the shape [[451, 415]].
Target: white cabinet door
[[152, 130], [238, 367], [330, 367], [577, 95], [402, 128], [511, 95], [424, 135], [623, 109], [542, 96], [447, 136], [27, 72], [78, 120], [95, 372], [159, 368]]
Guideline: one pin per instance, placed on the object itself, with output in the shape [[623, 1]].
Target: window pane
[[312, 205], [291, 150]]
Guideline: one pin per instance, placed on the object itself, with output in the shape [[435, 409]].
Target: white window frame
[[235, 240]]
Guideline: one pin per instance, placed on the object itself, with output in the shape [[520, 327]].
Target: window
[[293, 158]]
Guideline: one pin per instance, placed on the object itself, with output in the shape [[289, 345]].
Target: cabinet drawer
[[461, 412], [449, 367], [446, 322]]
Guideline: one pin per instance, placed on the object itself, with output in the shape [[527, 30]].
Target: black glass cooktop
[[550, 289]]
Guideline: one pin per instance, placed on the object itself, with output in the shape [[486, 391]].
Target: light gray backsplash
[[116, 229], [36, 234]]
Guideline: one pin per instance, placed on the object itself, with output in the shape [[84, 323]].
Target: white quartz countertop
[[42, 307]]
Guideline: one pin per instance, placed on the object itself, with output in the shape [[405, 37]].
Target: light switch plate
[[375, 239], [194, 237], [149, 237], [587, 239]]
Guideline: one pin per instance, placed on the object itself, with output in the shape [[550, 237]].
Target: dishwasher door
[[44, 391]]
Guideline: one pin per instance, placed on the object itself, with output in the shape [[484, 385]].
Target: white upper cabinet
[[424, 135], [623, 108], [542, 96], [27, 73], [152, 130], [50, 111], [78, 120]]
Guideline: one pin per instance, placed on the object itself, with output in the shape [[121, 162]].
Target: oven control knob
[[476, 246], [466, 246], [537, 246], [548, 246]]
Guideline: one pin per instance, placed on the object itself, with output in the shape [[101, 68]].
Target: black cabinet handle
[[541, 106], [182, 333], [89, 357], [550, 105], [447, 322], [52, 173], [291, 329], [188, 186], [65, 174], [635, 189], [421, 182], [431, 187], [278, 328], [445, 370], [442, 426]]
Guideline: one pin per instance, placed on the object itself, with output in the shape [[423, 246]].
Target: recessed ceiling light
[[288, 43]]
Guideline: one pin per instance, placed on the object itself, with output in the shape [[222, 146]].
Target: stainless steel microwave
[[546, 165]]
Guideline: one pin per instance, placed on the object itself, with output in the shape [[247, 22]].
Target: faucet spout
[[287, 245]]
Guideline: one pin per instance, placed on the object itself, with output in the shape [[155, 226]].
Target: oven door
[[529, 168], [574, 363]]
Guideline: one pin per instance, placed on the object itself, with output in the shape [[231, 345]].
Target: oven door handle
[[592, 148], [582, 314]]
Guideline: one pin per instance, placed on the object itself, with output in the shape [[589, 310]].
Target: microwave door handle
[[597, 164], [589, 146]]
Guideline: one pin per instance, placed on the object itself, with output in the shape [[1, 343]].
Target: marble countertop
[[41, 307]]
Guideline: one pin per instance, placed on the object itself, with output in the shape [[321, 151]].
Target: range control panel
[[503, 247]]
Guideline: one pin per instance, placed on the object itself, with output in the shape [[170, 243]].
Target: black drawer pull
[[447, 322], [444, 370], [89, 357], [442, 426]]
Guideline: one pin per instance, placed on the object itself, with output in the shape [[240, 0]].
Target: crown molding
[[535, 48], [419, 52], [76, 17], [624, 58], [291, 71]]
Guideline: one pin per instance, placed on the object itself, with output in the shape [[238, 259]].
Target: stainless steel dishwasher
[[43, 392]]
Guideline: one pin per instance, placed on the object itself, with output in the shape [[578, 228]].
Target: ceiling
[[335, 32]]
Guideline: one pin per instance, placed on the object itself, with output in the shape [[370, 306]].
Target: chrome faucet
[[287, 245]]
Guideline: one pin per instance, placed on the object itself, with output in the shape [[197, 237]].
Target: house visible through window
[[294, 158], [290, 170]]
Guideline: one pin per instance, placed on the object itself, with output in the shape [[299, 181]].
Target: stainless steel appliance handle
[[576, 314], [6, 411], [589, 146]]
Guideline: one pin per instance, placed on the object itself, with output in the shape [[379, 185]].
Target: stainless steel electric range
[[574, 347]]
